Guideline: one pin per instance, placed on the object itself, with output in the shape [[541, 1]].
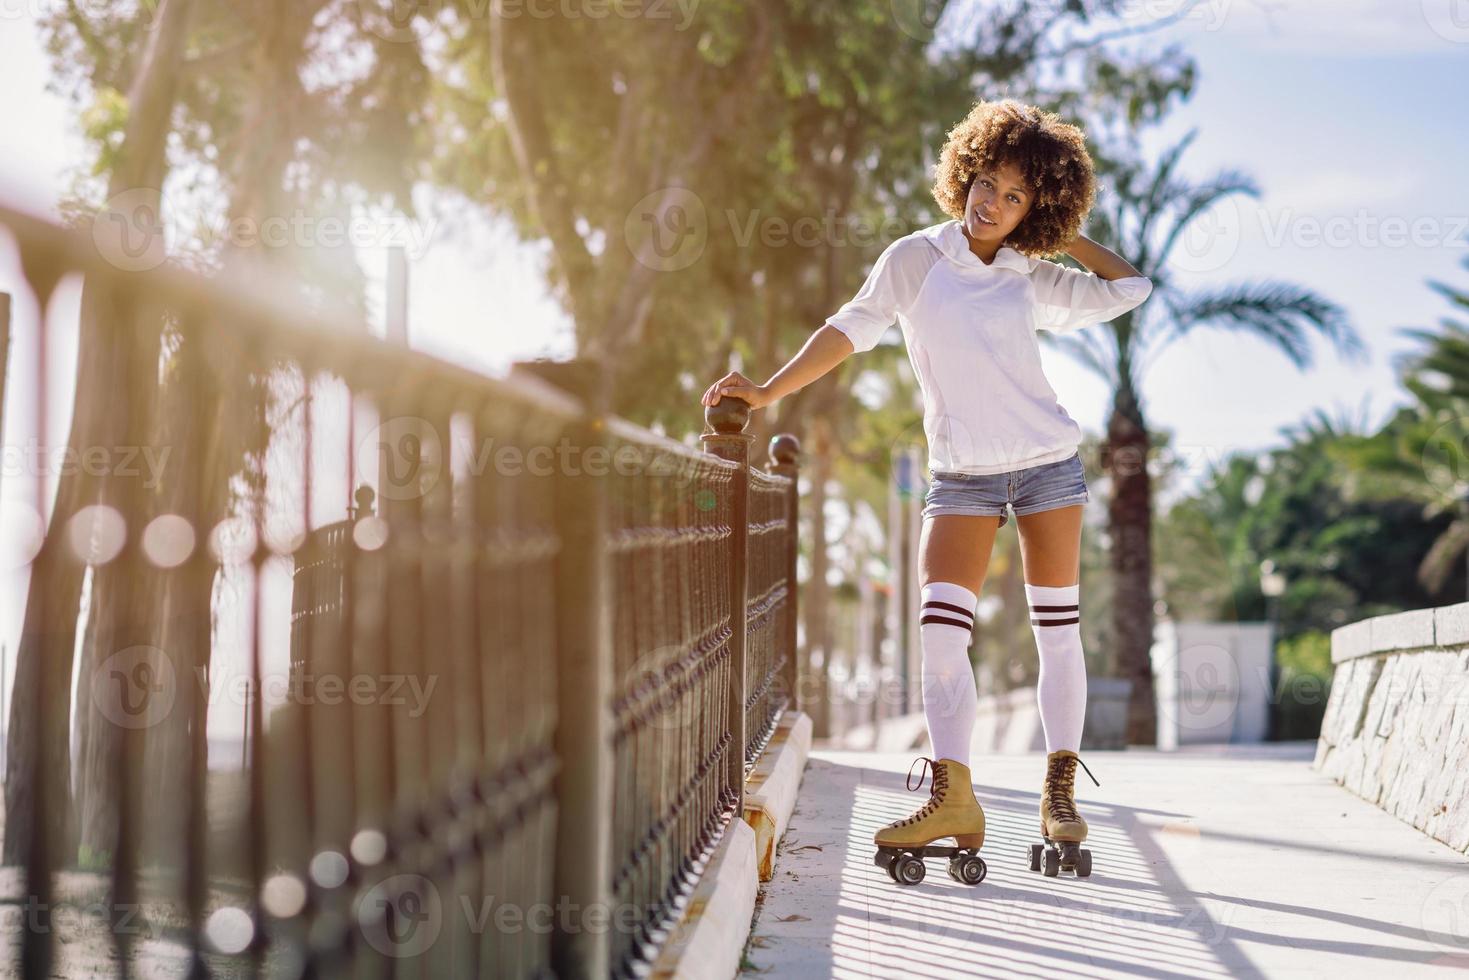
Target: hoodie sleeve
[[1068, 299], [890, 289]]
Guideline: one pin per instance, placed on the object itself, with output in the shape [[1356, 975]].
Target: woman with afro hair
[[969, 295]]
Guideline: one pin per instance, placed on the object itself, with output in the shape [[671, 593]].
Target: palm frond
[[1439, 370], [1319, 428], [1186, 202], [1282, 314]]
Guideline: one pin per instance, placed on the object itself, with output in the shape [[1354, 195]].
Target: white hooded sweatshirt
[[970, 330]]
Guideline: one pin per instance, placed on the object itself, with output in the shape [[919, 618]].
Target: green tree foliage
[[1347, 554], [1421, 455], [1344, 556], [282, 110]]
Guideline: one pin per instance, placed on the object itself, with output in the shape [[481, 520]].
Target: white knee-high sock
[[946, 622], [1055, 619]]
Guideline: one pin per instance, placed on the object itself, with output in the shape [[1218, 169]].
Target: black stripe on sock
[[1053, 608], [1055, 622], [936, 604], [946, 621]]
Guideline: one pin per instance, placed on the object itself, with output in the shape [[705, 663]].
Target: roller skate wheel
[[1035, 856], [1053, 863], [892, 868], [1084, 865], [972, 870], [909, 870]]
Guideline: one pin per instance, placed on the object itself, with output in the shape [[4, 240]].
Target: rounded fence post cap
[[785, 448], [728, 416]]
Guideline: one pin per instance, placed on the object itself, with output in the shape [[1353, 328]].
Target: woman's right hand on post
[[736, 385]]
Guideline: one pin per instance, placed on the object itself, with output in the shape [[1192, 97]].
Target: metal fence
[[387, 668]]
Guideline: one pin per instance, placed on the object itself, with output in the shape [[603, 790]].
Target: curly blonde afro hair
[[1050, 153]]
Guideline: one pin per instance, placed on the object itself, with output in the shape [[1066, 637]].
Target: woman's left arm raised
[[1100, 259], [1068, 299]]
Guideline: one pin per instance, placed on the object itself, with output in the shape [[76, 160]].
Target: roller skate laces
[[938, 777], [1061, 776], [1062, 828]]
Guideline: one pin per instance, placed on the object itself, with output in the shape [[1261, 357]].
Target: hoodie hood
[[948, 236]]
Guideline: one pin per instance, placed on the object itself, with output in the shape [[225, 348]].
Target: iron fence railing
[[386, 667]]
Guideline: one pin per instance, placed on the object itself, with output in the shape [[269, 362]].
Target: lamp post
[[1272, 586]]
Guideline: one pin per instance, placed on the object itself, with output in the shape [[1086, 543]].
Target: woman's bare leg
[[1050, 546], [956, 548]]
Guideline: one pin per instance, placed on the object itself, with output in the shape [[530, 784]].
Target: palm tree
[[1150, 213], [1422, 452]]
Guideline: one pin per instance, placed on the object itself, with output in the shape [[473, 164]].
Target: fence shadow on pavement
[[831, 911]]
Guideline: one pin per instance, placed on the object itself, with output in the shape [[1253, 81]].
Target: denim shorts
[[1027, 491]]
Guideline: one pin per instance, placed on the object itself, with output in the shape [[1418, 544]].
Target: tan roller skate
[[1061, 826], [951, 811]]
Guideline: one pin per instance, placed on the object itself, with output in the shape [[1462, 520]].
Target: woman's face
[[998, 201]]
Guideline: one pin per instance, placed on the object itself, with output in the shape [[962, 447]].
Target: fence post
[[583, 873], [785, 450], [729, 441]]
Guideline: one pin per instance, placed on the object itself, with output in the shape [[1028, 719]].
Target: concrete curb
[[709, 939], [710, 936], [770, 789]]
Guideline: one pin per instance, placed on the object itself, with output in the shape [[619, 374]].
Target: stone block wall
[[1396, 730]]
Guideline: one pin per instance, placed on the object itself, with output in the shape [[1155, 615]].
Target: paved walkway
[[1240, 861]]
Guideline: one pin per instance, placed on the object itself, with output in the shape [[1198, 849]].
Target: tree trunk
[[1130, 520], [176, 607], [192, 420], [40, 702]]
